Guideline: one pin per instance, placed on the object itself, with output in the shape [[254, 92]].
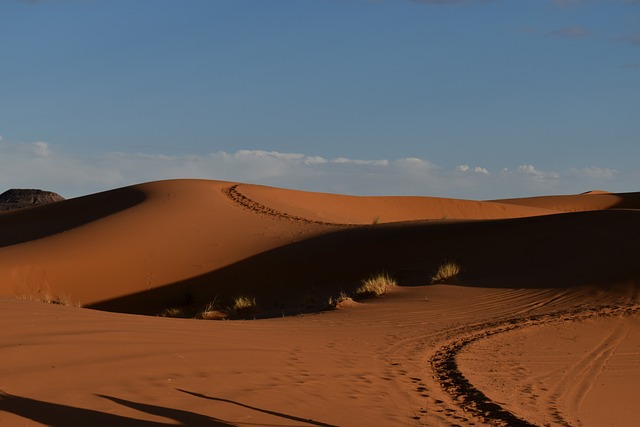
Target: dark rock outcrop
[[17, 198]]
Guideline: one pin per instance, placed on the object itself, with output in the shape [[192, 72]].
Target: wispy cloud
[[575, 31], [41, 165], [475, 169], [595, 172], [452, 2], [536, 174], [632, 39], [566, 3]]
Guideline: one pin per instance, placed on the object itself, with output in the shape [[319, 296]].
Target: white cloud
[[41, 148], [534, 173], [476, 169], [414, 165], [39, 165], [345, 161]]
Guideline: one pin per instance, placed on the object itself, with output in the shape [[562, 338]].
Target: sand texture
[[540, 327]]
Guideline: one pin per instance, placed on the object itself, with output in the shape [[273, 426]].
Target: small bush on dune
[[58, 300], [334, 301], [51, 299], [375, 285], [243, 304], [446, 272], [172, 312], [212, 312], [240, 305]]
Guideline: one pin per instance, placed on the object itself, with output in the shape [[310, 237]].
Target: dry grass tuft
[[172, 312], [58, 300], [51, 299], [446, 272], [243, 304], [375, 286], [335, 301], [212, 312]]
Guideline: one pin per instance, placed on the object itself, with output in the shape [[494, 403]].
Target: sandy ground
[[541, 327]]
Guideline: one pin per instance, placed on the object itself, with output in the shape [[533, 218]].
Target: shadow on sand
[[56, 415], [24, 225], [554, 251], [264, 411]]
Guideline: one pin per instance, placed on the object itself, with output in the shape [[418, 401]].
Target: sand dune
[[591, 200], [183, 244]]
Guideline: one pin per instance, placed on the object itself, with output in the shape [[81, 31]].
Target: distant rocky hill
[[17, 198]]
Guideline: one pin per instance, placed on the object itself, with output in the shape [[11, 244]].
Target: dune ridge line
[[236, 196]]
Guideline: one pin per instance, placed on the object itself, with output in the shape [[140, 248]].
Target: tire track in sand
[[254, 206], [474, 401], [577, 382]]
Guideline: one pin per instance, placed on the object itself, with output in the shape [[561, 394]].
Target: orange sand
[[533, 270]]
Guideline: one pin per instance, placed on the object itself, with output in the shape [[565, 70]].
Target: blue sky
[[453, 98]]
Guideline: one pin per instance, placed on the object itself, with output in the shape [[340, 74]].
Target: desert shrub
[[375, 285], [51, 299], [172, 312], [334, 301], [58, 300], [447, 271], [212, 312], [243, 304]]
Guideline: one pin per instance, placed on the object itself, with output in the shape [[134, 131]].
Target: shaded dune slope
[[41, 221], [144, 248]]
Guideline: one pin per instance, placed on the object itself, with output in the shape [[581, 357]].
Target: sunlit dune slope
[[148, 247], [371, 209], [592, 200]]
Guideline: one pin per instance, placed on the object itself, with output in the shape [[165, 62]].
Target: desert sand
[[101, 299]]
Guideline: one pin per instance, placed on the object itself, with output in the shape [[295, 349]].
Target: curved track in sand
[[471, 399], [240, 199]]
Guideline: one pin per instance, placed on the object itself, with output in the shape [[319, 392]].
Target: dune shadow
[[264, 411], [627, 201], [57, 415], [562, 250], [23, 225]]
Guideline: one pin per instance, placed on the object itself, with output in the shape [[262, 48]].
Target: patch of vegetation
[[51, 299], [58, 300], [212, 312], [334, 301], [172, 312], [447, 271], [243, 304], [375, 286]]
